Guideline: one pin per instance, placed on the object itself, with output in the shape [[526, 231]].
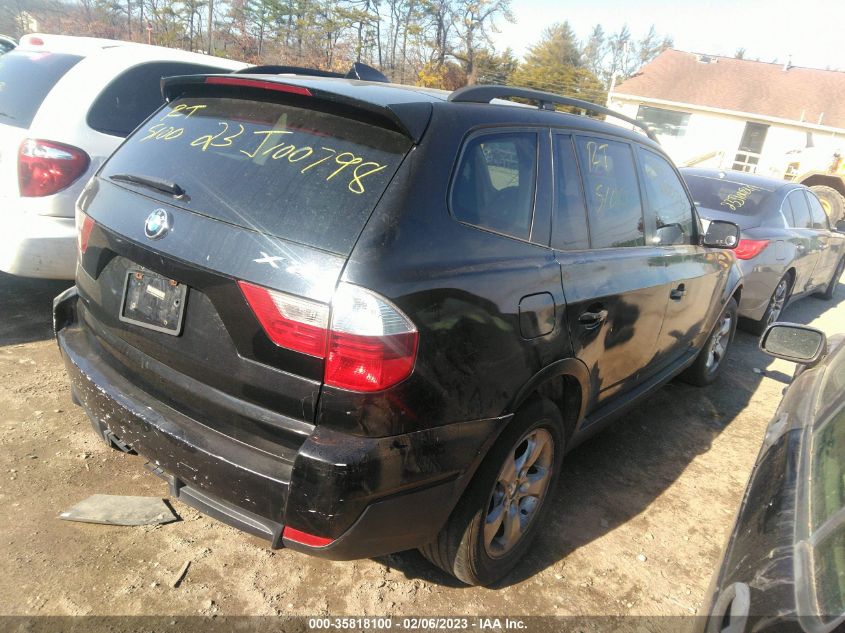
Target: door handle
[[678, 293], [591, 320]]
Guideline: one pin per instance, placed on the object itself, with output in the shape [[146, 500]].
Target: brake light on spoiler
[[367, 343], [258, 83]]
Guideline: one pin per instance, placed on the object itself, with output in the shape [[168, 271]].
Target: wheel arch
[[566, 383], [811, 179], [791, 272]]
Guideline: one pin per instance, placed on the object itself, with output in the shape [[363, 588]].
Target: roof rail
[[357, 71], [545, 100]]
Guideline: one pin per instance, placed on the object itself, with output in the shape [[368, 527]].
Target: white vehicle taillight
[[46, 167], [368, 346]]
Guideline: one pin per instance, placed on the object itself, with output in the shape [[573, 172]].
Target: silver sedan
[[787, 247]]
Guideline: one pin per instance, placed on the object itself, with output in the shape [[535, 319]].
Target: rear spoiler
[[409, 118]]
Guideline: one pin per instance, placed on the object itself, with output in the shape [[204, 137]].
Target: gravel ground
[[637, 528]]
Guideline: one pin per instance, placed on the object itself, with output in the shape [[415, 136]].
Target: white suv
[[66, 103]]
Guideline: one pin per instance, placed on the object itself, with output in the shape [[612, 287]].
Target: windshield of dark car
[[292, 172], [729, 196], [25, 79]]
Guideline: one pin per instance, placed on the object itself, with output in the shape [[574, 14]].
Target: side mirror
[[721, 234], [795, 343], [840, 226], [670, 234]]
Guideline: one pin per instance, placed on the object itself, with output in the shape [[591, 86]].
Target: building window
[[664, 122]]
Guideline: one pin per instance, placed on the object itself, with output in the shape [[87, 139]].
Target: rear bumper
[[366, 496], [38, 246]]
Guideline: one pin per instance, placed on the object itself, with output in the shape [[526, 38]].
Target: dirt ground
[[640, 518]]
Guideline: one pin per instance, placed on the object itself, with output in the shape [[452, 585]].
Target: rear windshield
[[726, 195], [25, 79], [294, 173]]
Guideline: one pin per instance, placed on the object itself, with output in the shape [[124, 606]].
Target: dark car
[[356, 318], [787, 248], [784, 565], [6, 44]]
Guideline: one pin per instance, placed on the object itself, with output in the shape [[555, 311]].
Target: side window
[[495, 181], [817, 214], [569, 230], [800, 210], [613, 193], [667, 201], [134, 95], [827, 498]]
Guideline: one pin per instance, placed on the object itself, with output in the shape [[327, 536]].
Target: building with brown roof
[[733, 113]]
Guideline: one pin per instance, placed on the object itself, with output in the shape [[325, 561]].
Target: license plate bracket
[[153, 302]]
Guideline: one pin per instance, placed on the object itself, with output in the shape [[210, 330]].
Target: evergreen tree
[[556, 64]]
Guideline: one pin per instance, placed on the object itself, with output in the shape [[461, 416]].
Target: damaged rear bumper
[[361, 496]]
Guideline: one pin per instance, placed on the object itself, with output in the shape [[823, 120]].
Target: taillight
[[45, 167], [257, 83], [369, 345], [84, 226], [748, 249], [292, 322], [372, 345]]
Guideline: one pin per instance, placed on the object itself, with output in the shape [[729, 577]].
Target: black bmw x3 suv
[[356, 318]]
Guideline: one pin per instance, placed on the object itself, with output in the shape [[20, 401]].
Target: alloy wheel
[[778, 301], [719, 343], [519, 491]]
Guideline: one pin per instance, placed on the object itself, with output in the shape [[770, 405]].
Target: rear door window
[[818, 217], [800, 210], [25, 79], [667, 201], [495, 182], [569, 230], [828, 479], [827, 499], [295, 173], [613, 193], [136, 94], [829, 563]]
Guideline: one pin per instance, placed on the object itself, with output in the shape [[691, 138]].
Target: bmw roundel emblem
[[157, 224]]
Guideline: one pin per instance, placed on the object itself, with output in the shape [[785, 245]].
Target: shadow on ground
[[26, 308], [618, 474]]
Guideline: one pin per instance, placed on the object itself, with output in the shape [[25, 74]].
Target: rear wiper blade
[[159, 184]]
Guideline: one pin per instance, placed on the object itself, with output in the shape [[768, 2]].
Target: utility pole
[[210, 27]]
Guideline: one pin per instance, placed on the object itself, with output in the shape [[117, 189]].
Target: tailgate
[[209, 197]]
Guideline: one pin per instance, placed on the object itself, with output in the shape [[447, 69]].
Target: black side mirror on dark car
[[794, 342], [721, 234]]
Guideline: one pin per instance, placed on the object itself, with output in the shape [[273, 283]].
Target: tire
[[832, 202], [480, 557], [711, 359], [777, 303], [827, 294]]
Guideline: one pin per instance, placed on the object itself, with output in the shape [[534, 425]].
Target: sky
[[812, 31]]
